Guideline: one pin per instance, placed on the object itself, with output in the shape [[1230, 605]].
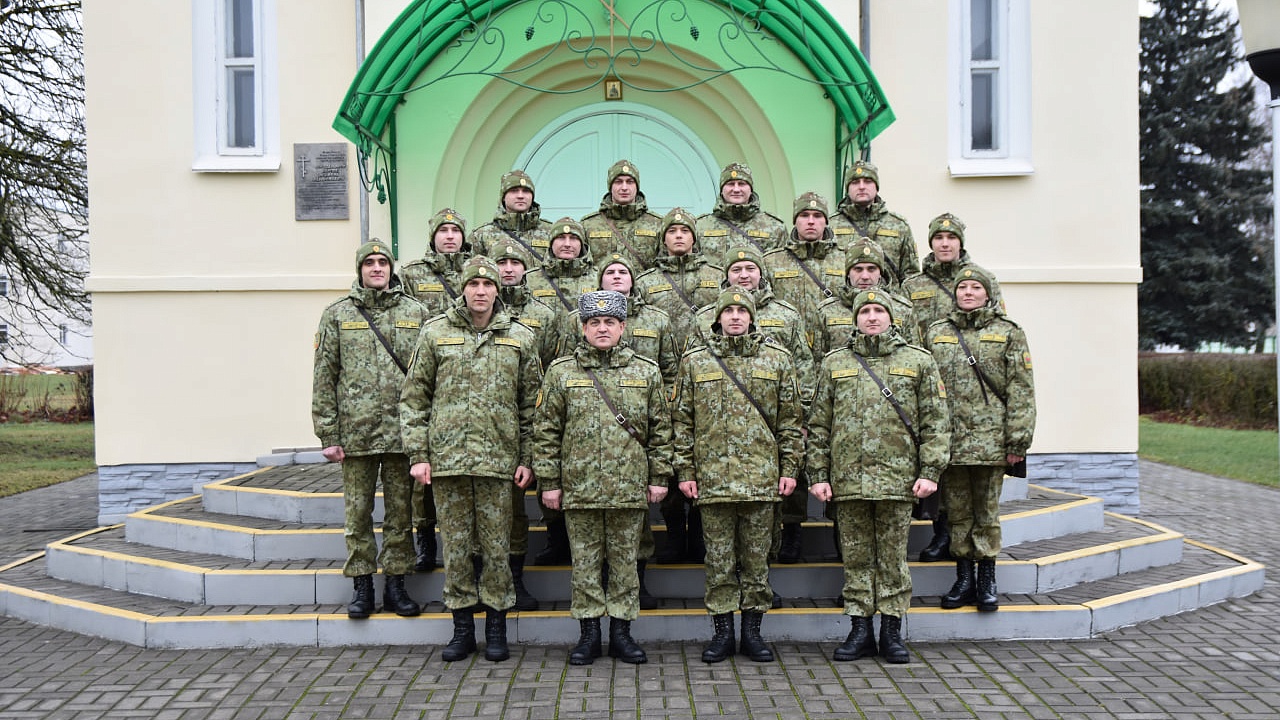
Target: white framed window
[[235, 86], [4, 286], [63, 335], [989, 72], [4, 334]]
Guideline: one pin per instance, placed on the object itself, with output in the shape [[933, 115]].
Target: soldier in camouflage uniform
[[518, 218], [864, 270], [780, 321], [873, 457], [466, 415], [932, 298], [682, 279], [737, 218], [623, 225], [809, 268], [738, 448], [435, 278], [986, 365], [567, 273], [602, 473], [863, 213], [355, 385]]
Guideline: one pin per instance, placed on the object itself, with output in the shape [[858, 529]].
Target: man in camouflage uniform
[[737, 218], [864, 263], [809, 267], [781, 322], [518, 218], [602, 473], [932, 298], [623, 225], [682, 280], [435, 278], [466, 415], [863, 213], [738, 448], [568, 271], [985, 362], [356, 384], [879, 435]]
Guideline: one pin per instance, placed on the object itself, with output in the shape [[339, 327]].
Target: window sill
[[973, 167], [236, 163]]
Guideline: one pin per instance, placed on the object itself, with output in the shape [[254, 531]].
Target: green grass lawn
[[1252, 455], [37, 454]]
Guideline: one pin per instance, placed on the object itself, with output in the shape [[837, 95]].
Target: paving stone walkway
[[1219, 662]]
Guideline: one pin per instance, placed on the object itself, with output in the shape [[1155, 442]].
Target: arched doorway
[[569, 157]]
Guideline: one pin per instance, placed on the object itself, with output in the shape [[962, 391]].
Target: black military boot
[[621, 645], [790, 552], [588, 647], [721, 645], [362, 604], [892, 648], [861, 641], [697, 548], [524, 599], [963, 592], [396, 599], [463, 642], [939, 548], [426, 561], [675, 547], [495, 635], [988, 598], [557, 550], [752, 644], [647, 601]]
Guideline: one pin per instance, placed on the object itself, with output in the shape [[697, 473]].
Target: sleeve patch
[[1026, 360], [942, 390]]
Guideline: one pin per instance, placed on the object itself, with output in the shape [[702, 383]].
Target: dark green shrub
[[1208, 388]]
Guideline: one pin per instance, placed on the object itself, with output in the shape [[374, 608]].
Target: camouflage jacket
[[836, 321], [356, 385], [779, 321], [824, 258], [857, 441], [525, 309], [578, 445], [888, 229], [467, 405], [648, 334], [720, 439], [987, 421], [571, 278], [680, 285], [532, 233], [435, 279], [729, 225], [628, 230], [932, 291]]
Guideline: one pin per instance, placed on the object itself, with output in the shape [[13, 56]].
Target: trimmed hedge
[[1218, 389]]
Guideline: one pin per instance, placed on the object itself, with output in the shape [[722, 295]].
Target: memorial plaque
[[320, 181]]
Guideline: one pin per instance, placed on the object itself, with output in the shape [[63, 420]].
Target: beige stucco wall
[[207, 291]]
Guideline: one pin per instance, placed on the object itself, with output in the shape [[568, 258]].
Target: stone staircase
[[256, 560]]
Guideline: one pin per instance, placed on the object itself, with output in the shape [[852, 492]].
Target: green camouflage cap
[[615, 259], [949, 223], [624, 167], [479, 266], [445, 217], [865, 250], [809, 201], [678, 216], [739, 253], [507, 251], [736, 171], [873, 297], [568, 226], [734, 296], [861, 169], [602, 303], [374, 247], [515, 179], [973, 272]]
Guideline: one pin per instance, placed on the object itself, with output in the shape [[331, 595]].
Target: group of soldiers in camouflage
[[716, 365]]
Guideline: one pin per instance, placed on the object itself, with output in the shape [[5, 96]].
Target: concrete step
[[1203, 576]]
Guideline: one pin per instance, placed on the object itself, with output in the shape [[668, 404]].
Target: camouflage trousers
[[973, 508], [643, 552], [519, 521], [873, 538], [737, 536], [597, 537], [359, 483], [424, 507], [475, 519]]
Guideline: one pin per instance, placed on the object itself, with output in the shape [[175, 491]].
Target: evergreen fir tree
[[1205, 195]]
